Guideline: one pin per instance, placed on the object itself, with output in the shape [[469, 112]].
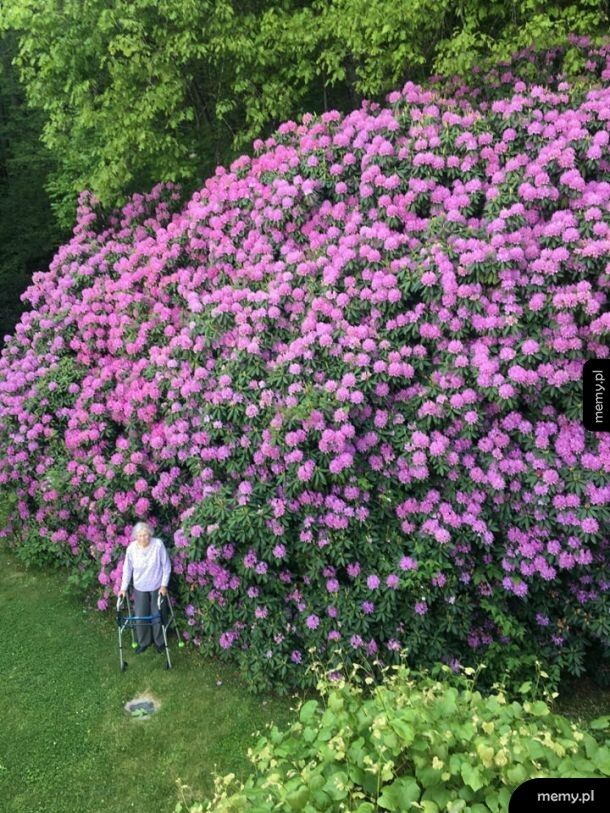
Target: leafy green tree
[[139, 91], [370, 47], [126, 89]]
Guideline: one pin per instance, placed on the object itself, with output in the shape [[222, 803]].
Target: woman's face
[[143, 537]]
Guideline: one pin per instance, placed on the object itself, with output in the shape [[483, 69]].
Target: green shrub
[[36, 550], [411, 743]]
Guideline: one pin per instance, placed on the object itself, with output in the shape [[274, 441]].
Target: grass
[[581, 700], [67, 746]]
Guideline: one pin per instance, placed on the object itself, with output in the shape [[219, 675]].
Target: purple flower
[[227, 639], [250, 560], [328, 399], [353, 570], [393, 644], [312, 622], [590, 525]]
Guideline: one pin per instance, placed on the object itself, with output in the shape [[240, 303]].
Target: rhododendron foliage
[[344, 382]]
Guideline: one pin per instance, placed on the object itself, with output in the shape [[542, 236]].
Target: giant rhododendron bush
[[344, 381]]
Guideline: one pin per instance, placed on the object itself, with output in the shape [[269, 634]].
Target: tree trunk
[[351, 78]]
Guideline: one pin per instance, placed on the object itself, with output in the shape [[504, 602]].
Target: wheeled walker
[[164, 614]]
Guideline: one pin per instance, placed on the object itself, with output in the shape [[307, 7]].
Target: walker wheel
[[123, 666], [167, 666]]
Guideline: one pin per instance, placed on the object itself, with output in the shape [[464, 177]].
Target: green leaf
[[438, 795], [337, 786], [298, 798], [472, 777], [601, 760], [540, 709], [428, 776], [404, 730], [399, 795], [516, 774], [447, 705], [309, 734]]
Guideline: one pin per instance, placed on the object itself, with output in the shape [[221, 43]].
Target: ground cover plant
[[344, 381], [413, 743]]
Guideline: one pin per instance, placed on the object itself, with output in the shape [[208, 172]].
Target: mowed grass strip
[[67, 746]]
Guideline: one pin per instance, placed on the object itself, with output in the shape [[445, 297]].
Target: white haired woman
[[148, 561]]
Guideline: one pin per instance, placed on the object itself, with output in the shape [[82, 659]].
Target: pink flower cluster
[[365, 342]]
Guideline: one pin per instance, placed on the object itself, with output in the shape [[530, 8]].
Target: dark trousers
[[146, 604]]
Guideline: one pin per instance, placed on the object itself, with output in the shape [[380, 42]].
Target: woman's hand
[[163, 591]]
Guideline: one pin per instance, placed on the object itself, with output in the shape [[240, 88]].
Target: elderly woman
[[147, 559]]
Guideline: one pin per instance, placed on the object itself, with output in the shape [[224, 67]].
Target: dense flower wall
[[344, 381]]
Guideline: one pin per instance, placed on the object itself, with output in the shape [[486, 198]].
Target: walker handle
[[120, 601]]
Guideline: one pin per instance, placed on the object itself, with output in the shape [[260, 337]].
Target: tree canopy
[[139, 91]]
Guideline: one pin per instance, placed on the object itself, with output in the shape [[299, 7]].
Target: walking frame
[[131, 620]]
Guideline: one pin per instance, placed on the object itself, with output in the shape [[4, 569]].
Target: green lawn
[[67, 746], [582, 700]]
